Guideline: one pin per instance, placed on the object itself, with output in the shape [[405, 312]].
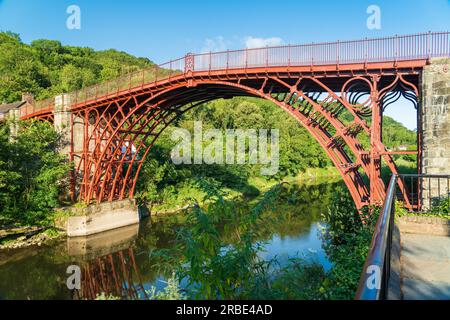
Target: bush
[[33, 174], [347, 240]]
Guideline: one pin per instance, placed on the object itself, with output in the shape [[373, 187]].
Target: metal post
[[337, 53], [246, 59], [209, 64], [289, 55], [267, 56], [375, 141]]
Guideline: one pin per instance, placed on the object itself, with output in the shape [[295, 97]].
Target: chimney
[[28, 98]]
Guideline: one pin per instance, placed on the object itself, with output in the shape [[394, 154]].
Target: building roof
[[4, 108]]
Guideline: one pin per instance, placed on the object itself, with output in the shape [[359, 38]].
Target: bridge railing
[[46, 105], [428, 193], [396, 48], [131, 81], [374, 281]]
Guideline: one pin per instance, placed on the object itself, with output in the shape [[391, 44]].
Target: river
[[122, 259]]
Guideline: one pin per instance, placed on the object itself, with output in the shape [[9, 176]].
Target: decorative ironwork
[[115, 274], [189, 63], [400, 88], [337, 100]]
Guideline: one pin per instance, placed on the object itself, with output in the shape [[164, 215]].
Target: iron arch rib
[[148, 119], [125, 129]]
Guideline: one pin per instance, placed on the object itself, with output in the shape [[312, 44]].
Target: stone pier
[[14, 116], [435, 119], [62, 119], [94, 218], [72, 140]]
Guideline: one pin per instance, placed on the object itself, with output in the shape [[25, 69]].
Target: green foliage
[[441, 206], [400, 209], [52, 232], [104, 296], [213, 269], [298, 150], [395, 134], [171, 292], [46, 67], [221, 254], [298, 279], [33, 174], [347, 239]]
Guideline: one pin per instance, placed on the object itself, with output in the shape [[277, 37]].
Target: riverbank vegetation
[[33, 175], [220, 248]]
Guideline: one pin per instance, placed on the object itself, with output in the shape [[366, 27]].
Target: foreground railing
[[429, 194], [397, 48], [374, 281]]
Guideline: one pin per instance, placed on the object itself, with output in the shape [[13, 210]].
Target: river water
[[122, 259]]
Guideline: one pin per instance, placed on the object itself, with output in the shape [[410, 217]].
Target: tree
[[46, 67], [33, 175]]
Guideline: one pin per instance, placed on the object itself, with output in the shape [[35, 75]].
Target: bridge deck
[[425, 267], [369, 55]]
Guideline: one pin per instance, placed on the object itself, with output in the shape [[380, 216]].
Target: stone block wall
[[435, 115]]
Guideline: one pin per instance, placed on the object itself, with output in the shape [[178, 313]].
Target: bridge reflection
[[108, 264], [115, 274]]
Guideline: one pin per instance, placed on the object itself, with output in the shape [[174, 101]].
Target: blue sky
[[162, 30]]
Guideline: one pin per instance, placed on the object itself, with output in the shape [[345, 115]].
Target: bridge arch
[[337, 91], [125, 130]]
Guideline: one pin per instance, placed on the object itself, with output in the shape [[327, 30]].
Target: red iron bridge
[[112, 126]]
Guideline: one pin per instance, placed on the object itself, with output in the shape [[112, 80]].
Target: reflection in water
[[307, 245], [120, 262], [111, 274], [100, 244]]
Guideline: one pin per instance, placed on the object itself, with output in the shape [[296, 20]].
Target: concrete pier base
[[101, 217]]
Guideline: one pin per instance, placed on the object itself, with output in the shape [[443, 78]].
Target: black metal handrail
[[374, 280], [373, 284]]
